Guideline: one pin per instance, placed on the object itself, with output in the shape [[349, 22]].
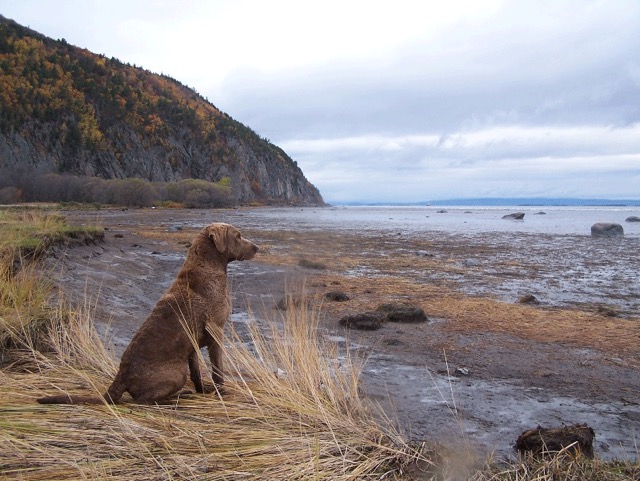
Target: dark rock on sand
[[306, 263], [515, 215], [366, 321], [528, 299], [606, 229], [606, 311], [291, 301], [337, 296], [633, 218], [398, 312], [540, 213], [543, 440]]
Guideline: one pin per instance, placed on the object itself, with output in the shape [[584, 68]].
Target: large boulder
[[606, 229], [515, 215]]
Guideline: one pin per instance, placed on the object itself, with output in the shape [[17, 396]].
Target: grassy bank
[[25, 235]]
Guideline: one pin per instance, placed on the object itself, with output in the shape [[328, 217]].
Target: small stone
[[337, 296], [367, 321], [397, 312], [528, 299]]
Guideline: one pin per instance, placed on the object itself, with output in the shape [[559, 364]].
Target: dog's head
[[230, 243]]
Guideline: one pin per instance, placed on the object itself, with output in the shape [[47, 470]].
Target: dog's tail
[[112, 396], [68, 399]]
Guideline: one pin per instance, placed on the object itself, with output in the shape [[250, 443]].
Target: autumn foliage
[[67, 112]]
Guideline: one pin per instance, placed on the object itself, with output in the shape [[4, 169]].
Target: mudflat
[[480, 371]]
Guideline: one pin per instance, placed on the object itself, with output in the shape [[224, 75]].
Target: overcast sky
[[399, 101]]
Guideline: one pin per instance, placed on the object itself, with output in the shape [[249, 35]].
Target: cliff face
[[67, 110]]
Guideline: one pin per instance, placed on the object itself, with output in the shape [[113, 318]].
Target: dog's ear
[[218, 234]]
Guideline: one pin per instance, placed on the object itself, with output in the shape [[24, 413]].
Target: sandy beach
[[483, 368]]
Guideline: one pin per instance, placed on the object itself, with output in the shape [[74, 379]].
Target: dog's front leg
[[194, 372], [214, 346]]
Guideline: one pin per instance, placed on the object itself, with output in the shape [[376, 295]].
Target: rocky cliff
[[66, 110]]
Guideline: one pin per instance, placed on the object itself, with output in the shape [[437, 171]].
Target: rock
[[606, 229], [337, 296], [307, 264], [398, 312], [442, 211], [290, 301], [540, 213], [633, 218], [606, 311], [515, 215], [471, 262], [367, 321], [174, 228], [544, 440], [528, 299]]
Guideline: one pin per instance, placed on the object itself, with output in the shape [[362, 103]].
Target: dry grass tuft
[[293, 411]]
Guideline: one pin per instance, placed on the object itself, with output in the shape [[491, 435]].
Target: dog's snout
[[255, 248]]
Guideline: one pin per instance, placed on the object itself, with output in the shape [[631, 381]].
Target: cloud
[[496, 161]]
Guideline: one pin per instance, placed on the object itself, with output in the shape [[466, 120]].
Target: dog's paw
[[212, 388]]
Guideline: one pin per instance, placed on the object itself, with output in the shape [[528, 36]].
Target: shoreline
[[521, 373]]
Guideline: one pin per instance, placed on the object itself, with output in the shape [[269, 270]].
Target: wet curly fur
[[191, 313]]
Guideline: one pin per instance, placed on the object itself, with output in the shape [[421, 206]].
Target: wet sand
[[480, 372]]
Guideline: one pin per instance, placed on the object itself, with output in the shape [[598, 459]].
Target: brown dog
[[191, 313]]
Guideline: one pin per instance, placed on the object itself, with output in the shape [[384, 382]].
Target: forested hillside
[[65, 110]]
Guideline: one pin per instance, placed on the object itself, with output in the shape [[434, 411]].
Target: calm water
[[455, 220]]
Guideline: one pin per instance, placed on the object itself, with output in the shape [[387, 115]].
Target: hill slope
[[66, 110]]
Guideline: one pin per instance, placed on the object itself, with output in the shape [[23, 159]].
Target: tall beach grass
[[291, 410]]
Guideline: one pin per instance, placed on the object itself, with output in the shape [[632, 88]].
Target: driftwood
[[578, 438]]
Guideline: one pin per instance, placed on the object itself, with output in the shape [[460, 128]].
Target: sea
[[454, 219]]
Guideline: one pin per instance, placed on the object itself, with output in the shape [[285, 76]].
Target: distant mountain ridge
[[511, 202], [64, 109]]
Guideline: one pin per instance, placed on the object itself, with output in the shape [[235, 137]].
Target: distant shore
[[507, 201]]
